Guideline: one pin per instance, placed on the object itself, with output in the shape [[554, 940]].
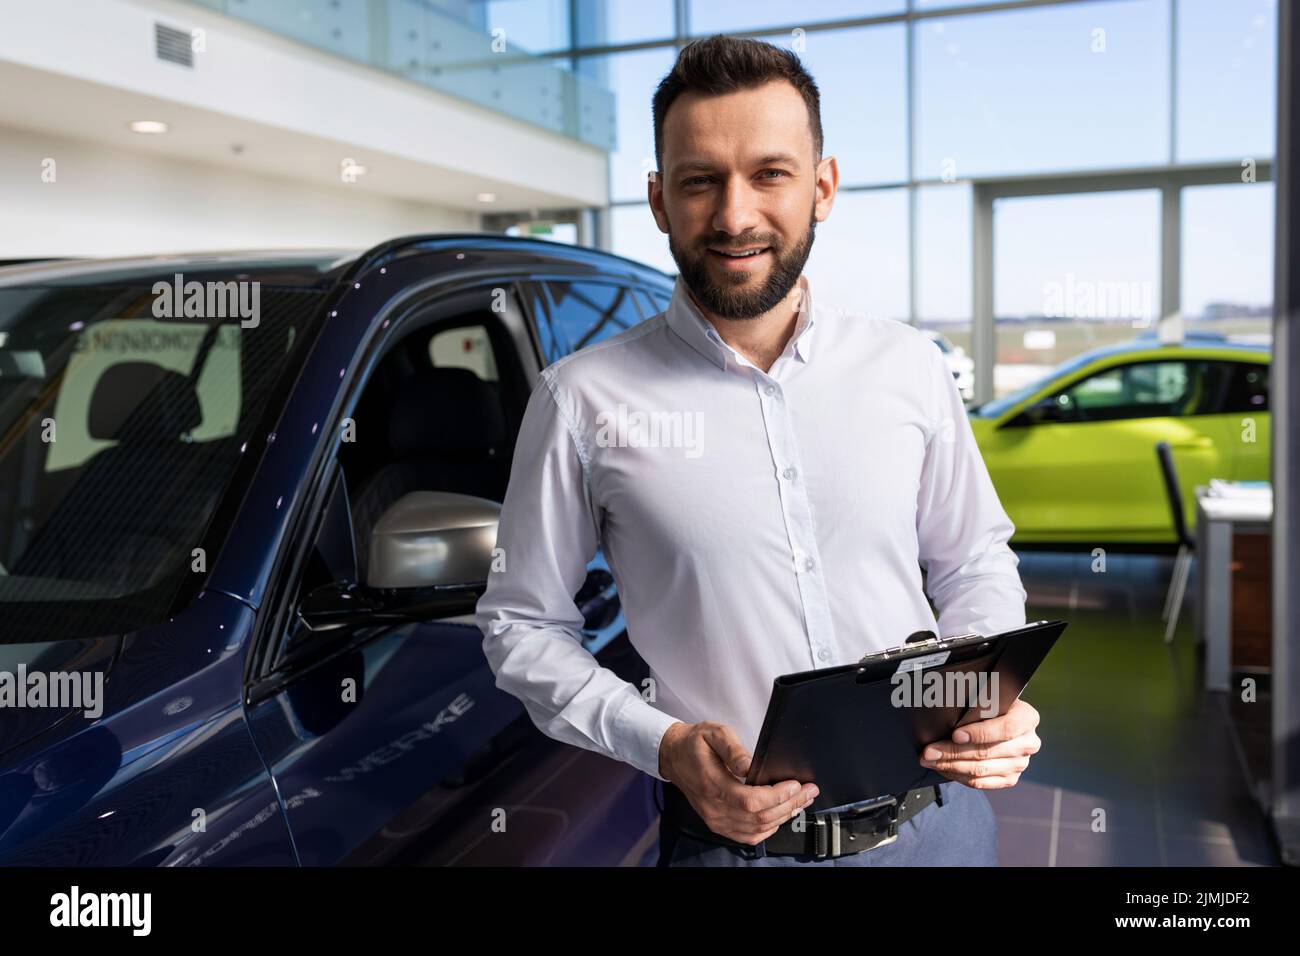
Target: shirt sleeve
[[962, 529], [532, 629]]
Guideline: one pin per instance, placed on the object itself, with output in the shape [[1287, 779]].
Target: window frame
[[263, 675]]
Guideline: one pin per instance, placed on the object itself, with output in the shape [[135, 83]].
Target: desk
[[1217, 520]]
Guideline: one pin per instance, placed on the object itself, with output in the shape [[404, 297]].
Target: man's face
[[740, 194]]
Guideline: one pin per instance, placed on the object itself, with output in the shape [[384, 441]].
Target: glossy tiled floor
[[1138, 766]]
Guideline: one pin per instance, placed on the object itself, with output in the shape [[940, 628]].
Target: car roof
[[290, 267], [1147, 347], [305, 268], [539, 252]]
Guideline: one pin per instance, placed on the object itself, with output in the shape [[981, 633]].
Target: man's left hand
[[988, 754]]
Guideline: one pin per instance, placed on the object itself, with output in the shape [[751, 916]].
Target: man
[[767, 477]]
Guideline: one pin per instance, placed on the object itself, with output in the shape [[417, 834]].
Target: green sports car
[[1073, 456]]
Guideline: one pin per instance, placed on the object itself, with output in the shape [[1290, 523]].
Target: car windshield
[[122, 425], [997, 407]]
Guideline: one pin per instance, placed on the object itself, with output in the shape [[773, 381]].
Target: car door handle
[[1193, 443]]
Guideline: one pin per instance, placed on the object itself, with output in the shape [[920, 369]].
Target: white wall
[[107, 201]]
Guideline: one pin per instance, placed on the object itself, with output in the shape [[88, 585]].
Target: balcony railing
[[417, 40]]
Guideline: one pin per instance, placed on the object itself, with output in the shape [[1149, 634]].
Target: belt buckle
[[827, 829]]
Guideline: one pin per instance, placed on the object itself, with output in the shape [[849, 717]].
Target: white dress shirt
[[756, 523]]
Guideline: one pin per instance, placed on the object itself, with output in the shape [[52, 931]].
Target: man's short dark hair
[[722, 64]]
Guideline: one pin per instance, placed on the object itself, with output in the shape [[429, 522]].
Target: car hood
[[981, 427], [26, 682]]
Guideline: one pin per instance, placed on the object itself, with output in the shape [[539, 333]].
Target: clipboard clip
[[915, 638]]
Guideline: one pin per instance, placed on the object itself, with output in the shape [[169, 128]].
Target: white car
[[960, 364]]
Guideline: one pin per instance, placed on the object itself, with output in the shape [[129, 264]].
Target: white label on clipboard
[[920, 663]]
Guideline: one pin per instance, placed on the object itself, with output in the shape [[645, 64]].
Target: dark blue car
[[247, 506]]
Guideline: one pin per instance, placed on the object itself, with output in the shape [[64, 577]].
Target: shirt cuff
[[638, 730]]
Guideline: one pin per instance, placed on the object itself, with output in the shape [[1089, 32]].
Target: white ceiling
[[76, 108]]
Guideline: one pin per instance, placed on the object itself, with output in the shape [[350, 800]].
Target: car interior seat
[[446, 432], [125, 521]]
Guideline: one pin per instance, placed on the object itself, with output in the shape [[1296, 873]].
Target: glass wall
[[1048, 89], [1227, 259], [1071, 273], [927, 103]]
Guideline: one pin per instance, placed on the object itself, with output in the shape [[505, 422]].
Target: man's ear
[[828, 182], [655, 196]]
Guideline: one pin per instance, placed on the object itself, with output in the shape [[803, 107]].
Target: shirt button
[[808, 564], [789, 473], [769, 390], [824, 654]]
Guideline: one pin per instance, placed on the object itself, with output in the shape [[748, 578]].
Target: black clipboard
[[853, 730]]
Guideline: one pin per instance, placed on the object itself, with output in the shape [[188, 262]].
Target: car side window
[[468, 347], [438, 412], [655, 301], [1247, 389], [1140, 390], [332, 559], [582, 313], [644, 302]]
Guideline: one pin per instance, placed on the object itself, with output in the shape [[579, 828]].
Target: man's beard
[[737, 302]]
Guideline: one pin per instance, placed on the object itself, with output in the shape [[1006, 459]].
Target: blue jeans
[[962, 832]]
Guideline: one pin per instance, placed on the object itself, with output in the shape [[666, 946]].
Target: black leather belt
[[822, 835]]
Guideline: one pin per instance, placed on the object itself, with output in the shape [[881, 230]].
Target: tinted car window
[[1140, 390], [582, 313], [998, 406], [1247, 389], [647, 304], [1209, 387], [661, 299], [119, 434]]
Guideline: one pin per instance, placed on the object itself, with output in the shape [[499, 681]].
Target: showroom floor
[[1125, 731]]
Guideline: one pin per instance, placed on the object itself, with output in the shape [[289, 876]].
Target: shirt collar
[[691, 326]]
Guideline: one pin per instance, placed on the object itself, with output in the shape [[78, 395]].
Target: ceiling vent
[[173, 45]]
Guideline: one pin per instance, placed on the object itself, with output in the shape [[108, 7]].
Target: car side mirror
[[433, 539], [1040, 412], [430, 556]]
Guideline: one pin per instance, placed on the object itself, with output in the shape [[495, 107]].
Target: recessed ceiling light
[[487, 197], [148, 126]]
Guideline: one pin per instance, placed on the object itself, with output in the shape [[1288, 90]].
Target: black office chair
[[1186, 544]]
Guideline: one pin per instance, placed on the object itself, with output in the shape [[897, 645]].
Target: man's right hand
[[708, 763]]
